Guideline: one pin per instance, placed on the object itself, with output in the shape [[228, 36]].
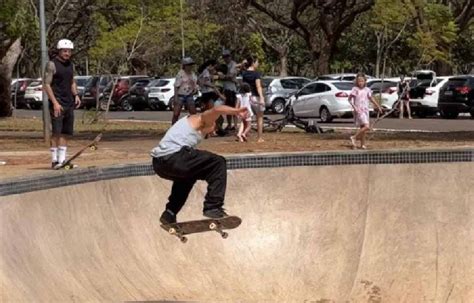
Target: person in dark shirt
[[253, 78], [59, 84]]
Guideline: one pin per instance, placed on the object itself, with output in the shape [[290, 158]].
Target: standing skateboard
[[180, 229], [92, 145]]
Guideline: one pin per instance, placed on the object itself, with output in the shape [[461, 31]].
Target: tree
[[319, 23]]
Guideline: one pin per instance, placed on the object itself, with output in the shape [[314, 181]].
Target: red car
[[120, 96]]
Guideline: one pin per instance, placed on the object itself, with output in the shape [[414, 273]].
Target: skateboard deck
[[180, 229], [92, 145]]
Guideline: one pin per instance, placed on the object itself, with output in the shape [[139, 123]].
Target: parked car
[[388, 92], [161, 94], [323, 99], [94, 89], [138, 94], [120, 98], [81, 82], [340, 77], [427, 103], [17, 89], [457, 96], [276, 90], [34, 95]]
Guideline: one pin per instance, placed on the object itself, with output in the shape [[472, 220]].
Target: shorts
[[361, 119], [64, 123], [256, 106], [230, 98], [209, 97], [184, 100]]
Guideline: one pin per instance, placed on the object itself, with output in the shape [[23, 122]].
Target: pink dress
[[361, 98]]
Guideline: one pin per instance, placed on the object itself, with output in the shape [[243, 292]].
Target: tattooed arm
[[47, 80]]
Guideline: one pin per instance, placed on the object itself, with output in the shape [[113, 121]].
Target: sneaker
[[53, 164], [215, 213], [353, 141], [168, 217]]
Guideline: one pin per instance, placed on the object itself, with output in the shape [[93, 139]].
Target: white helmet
[[65, 44]]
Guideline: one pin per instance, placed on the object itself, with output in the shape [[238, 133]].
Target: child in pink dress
[[359, 98]]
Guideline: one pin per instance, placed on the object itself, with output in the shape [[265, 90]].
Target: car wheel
[[421, 114], [103, 104], [170, 103], [126, 106], [325, 115], [449, 114], [278, 106]]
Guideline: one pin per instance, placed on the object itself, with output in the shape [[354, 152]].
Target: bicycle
[[277, 125]]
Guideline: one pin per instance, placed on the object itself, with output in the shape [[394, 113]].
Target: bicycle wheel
[[270, 125]]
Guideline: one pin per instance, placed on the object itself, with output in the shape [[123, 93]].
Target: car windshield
[[81, 81], [457, 82], [343, 85], [266, 81], [161, 83]]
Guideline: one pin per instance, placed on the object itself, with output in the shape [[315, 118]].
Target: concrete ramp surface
[[360, 233]]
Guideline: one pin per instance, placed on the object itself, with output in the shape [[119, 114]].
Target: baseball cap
[[187, 61], [226, 53]]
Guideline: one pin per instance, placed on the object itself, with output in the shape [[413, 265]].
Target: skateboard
[[92, 146], [180, 229]]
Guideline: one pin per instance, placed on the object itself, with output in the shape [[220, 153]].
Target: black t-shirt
[[250, 77], [62, 82]]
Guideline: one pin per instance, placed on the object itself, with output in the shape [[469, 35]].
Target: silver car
[[278, 89]]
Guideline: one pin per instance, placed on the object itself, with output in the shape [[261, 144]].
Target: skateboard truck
[[216, 227], [177, 233]]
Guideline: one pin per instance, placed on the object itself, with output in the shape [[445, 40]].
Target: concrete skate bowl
[[325, 233]]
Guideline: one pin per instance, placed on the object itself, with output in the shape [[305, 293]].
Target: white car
[[323, 99], [428, 104], [387, 90], [161, 95], [34, 95]]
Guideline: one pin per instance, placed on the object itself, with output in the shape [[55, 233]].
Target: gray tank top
[[179, 135]]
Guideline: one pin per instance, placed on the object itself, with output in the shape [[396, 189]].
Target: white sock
[[62, 153], [54, 154]]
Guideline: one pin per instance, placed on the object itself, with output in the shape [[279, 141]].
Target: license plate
[[161, 96], [133, 96], [448, 93], [415, 104]]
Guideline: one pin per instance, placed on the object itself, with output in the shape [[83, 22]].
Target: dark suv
[[457, 96], [120, 97], [94, 89]]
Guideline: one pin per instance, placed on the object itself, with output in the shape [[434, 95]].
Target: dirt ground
[[25, 152]]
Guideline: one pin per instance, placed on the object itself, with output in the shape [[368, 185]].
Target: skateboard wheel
[[224, 235], [212, 226], [93, 147], [172, 231], [67, 167], [184, 240]]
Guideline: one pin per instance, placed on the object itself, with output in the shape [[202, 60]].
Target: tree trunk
[[283, 56], [6, 68], [379, 55], [324, 57]]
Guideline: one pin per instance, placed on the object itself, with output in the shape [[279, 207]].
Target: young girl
[[359, 99], [243, 101]]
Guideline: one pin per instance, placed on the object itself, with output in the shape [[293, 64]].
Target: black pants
[[187, 166]]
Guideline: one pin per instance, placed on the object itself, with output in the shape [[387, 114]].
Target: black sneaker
[[167, 217], [215, 213], [53, 164]]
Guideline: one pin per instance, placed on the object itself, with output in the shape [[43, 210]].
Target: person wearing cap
[[59, 85], [230, 86], [185, 86]]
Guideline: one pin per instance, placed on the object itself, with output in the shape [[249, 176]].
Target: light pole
[[44, 61], [182, 29]]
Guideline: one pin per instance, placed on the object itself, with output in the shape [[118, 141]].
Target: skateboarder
[[59, 84], [176, 159]]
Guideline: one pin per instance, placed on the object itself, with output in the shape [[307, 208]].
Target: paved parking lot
[[463, 123]]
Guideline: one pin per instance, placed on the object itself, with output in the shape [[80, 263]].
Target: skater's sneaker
[[215, 213], [53, 164], [167, 217]]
